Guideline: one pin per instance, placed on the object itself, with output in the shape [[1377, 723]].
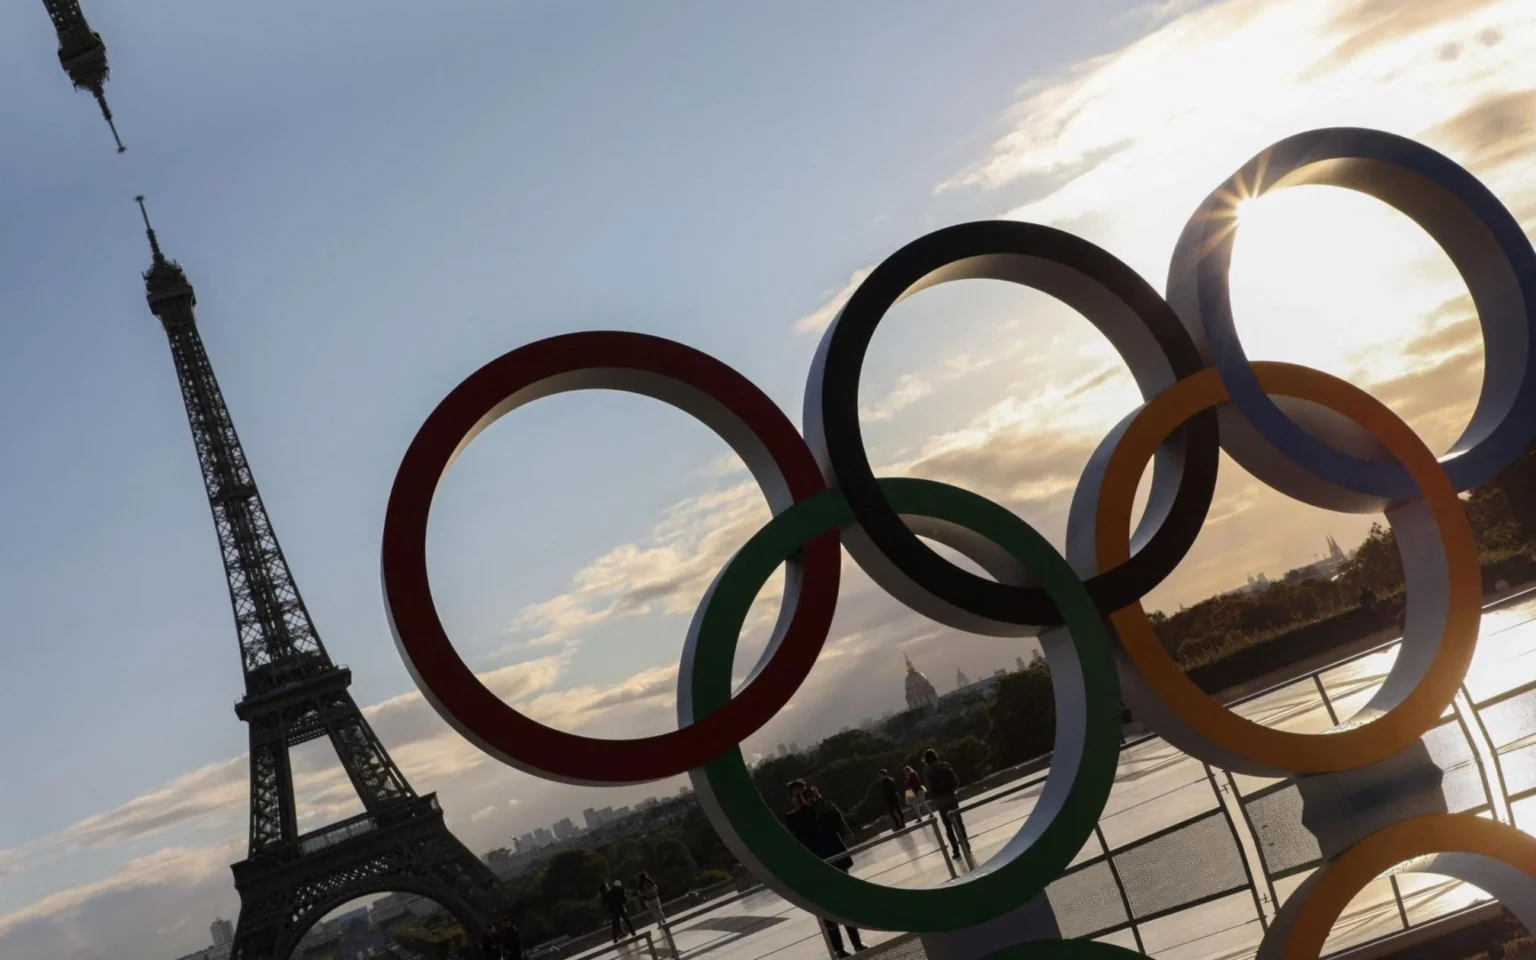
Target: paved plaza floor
[[1158, 787]]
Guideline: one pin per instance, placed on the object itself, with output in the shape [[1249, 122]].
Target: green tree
[[670, 863], [969, 757], [1375, 565], [1021, 717], [575, 874]]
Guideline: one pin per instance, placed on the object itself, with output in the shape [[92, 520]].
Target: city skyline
[[358, 248]]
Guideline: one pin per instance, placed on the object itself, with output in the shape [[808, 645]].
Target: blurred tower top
[[83, 55]]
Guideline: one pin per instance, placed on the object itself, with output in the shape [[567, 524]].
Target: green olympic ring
[[1084, 681]]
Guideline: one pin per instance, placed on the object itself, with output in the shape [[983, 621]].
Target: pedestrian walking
[[942, 786], [816, 829], [617, 902], [915, 785], [892, 794]]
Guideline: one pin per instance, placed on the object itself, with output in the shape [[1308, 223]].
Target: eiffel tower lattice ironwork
[[294, 694], [82, 55]]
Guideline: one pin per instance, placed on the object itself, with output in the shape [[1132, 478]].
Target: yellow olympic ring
[[1408, 709], [1303, 926]]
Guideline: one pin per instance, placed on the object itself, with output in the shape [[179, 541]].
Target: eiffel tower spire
[[82, 55], [294, 694]]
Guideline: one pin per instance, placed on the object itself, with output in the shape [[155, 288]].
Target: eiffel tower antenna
[[294, 694], [83, 56]]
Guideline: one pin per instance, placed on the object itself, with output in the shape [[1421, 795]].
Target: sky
[[373, 200]]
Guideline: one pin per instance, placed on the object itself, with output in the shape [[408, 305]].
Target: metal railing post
[[938, 837], [1402, 912], [1493, 751], [1317, 678]]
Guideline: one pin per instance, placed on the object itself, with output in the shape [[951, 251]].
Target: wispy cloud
[[1126, 145], [832, 301], [667, 573], [912, 387]]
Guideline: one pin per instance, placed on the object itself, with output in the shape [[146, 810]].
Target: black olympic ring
[[1137, 321]]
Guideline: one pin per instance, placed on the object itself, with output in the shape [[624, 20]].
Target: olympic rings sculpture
[[1305, 433]]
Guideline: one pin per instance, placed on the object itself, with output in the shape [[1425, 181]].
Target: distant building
[[1324, 568], [917, 725], [527, 843], [1018, 662], [961, 680], [593, 821], [565, 829], [543, 837], [920, 692], [647, 803], [783, 750], [223, 932]]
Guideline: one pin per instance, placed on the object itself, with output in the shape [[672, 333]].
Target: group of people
[[616, 900], [501, 942], [821, 828], [813, 820], [940, 792]]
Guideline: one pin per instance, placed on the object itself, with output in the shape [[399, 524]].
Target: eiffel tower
[[82, 55], [294, 694]]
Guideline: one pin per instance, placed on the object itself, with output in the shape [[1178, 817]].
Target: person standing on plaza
[[650, 894], [813, 828], [511, 941], [617, 902], [490, 943], [942, 787], [892, 794], [915, 784]]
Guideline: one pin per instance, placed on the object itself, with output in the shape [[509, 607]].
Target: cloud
[[668, 573], [482, 814], [1375, 23], [912, 387], [1123, 147], [148, 905], [1496, 130], [832, 301], [655, 687]]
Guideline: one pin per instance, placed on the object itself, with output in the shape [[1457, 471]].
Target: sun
[[1336, 280]]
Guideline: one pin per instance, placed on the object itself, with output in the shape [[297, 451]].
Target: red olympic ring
[[685, 378]]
